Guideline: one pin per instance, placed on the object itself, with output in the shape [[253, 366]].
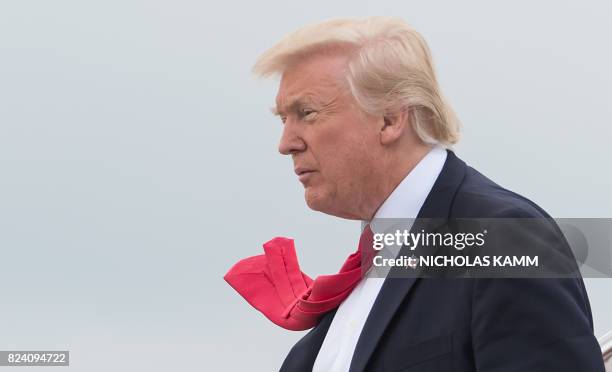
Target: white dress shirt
[[405, 201]]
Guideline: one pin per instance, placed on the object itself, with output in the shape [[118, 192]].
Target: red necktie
[[274, 284]]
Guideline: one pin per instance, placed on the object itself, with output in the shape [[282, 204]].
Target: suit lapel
[[302, 356], [394, 290]]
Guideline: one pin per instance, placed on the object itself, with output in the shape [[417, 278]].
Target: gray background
[[138, 160]]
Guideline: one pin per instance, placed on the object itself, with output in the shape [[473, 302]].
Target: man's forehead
[[313, 93], [315, 77]]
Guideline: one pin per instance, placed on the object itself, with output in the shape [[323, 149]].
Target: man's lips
[[300, 170], [303, 173]]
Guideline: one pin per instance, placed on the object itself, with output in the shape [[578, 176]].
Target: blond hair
[[389, 69]]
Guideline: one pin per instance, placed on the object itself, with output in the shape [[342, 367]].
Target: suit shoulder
[[480, 197]]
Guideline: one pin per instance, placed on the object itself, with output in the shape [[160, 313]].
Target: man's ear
[[394, 126]]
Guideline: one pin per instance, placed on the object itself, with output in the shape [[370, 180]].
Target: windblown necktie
[[274, 284]]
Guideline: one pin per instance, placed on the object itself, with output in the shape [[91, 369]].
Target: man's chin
[[314, 200], [321, 202]]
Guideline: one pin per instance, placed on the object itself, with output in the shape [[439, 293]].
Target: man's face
[[334, 146]]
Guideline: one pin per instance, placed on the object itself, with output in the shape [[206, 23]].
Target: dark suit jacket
[[461, 325]]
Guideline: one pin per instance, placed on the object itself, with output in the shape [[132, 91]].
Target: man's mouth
[[303, 173], [299, 171]]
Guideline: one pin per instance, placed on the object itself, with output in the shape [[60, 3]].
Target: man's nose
[[290, 141]]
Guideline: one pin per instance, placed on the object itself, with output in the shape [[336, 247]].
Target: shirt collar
[[406, 200], [402, 206]]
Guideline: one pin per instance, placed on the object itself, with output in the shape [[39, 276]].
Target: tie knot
[[366, 248], [366, 240]]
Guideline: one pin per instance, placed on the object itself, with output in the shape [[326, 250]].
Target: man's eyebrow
[[274, 111], [294, 103]]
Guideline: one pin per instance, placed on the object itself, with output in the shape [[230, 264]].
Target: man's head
[[360, 106]]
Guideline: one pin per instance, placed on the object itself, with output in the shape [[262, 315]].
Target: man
[[367, 127]]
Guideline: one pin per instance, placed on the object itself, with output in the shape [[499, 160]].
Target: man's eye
[[283, 119], [307, 113]]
